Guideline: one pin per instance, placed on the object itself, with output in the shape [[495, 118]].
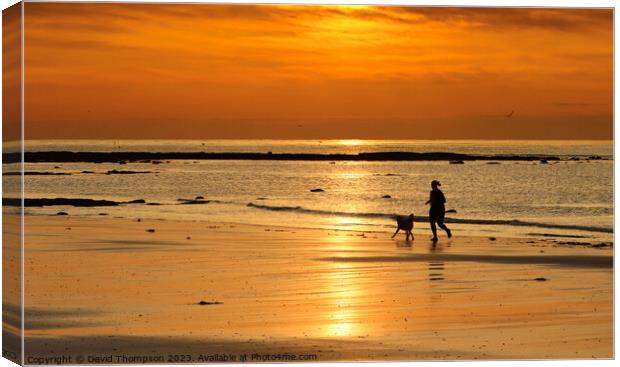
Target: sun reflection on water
[[343, 285], [342, 221], [351, 142]]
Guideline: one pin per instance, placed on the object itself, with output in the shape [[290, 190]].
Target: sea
[[571, 198]]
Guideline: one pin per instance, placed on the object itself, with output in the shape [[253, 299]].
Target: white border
[[489, 3]]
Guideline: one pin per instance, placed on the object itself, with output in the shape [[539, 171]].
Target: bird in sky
[[511, 113]]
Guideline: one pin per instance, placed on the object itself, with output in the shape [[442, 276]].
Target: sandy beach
[[101, 287], [197, 183]]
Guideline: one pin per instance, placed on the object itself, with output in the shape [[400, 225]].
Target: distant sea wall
[[125, 157]]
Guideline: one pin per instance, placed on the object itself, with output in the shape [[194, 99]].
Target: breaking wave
[[504, 222]]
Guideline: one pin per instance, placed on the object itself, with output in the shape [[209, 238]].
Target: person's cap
[[435, 183]]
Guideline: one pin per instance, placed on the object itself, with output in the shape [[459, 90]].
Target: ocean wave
[[505, 222], [299, 209]]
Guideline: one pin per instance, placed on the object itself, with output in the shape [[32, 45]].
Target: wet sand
[[108, 286]]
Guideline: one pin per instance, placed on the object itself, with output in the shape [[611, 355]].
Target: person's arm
[[430, 199]]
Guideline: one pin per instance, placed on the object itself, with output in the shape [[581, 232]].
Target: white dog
[[405, 223]]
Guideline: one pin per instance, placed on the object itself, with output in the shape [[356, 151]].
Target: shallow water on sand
[[567, 198]]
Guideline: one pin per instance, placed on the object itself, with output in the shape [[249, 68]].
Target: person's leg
[[443, 226], [433, 228]]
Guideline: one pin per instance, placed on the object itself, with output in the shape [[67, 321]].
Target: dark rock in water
[[195, 202], [457, 162], [137, 201], [573, 243], [544, 161], [317, 190], [451, 211], [157, 162], [116, 172], [386, 197], [262, 199], [139, 220], [153, 204], [57, 167], [492, 238], [198, 198], [540, 279], [103, 213], [595, 157], [150, 230], [88, 172], [58, 201], [62, 213], [598, 245], [575, 158], [188, 238], [206, 303], [332, 162], [46, 173], [555, 235]]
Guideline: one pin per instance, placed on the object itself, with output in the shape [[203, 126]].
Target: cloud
[[562, 19]]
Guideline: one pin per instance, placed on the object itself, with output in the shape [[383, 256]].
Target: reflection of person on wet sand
[[437, 212]]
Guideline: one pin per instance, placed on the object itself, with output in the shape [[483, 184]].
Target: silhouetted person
[[437, 212]]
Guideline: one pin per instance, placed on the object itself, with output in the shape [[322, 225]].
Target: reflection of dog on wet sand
[[405, 223]]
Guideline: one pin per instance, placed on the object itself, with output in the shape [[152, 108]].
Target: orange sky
[[264, 71]]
